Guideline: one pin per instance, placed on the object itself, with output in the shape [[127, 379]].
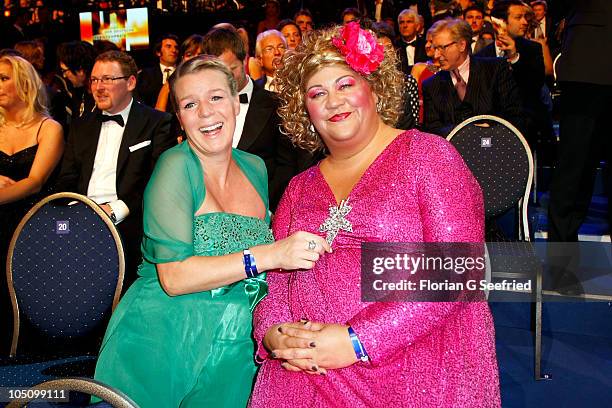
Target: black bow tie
[[244, 98], [411, 43], [116, 118]]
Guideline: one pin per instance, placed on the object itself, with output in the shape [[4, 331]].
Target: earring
[[311, 128], [379, 106]]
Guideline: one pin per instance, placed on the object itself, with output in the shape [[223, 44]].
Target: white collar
[[124, 113]]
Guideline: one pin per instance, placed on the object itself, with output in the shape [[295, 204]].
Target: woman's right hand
[[6, 181], [300, 250]]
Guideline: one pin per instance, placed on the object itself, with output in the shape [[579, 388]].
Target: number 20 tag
[[62, 227]]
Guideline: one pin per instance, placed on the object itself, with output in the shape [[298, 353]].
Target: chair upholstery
[[64, 269], [500, 159], [111, 396]]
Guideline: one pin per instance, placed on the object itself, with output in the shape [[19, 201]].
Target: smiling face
[[207, 111], [342, 107]]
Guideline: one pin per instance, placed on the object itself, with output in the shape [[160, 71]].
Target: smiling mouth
[[339, 117], [211, 128]]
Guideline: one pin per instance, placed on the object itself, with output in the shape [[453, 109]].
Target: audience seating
[[500, 158], [111, 397], [65, 270]]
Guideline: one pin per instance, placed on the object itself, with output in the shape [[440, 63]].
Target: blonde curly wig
[[314, 53]]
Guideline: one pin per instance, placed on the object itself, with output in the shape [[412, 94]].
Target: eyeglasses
[[442, 48], [106, 80], [270, 50], [63, 71]]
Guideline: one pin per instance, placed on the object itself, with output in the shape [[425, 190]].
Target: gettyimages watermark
[[495, 271]]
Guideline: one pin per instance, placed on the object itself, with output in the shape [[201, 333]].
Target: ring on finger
[[312, 245]]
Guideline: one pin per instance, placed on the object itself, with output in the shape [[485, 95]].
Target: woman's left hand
[[333, 347]]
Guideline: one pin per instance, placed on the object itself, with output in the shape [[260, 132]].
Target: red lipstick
[[340, 116]]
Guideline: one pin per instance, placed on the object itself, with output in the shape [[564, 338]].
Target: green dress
[[195, 349]]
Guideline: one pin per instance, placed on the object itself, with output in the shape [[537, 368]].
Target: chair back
[[65, 268], [61, 387], [500, 158]]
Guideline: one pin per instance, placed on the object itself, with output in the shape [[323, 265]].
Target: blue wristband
[[250, 268], [357, 346]]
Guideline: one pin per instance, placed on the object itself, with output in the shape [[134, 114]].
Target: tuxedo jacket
[[150, 81], [491, 90], [528, 73], [419, 54], [261, 136], [147, 132]]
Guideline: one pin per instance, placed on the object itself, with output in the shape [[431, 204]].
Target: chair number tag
[[62, 227], [485, 142]]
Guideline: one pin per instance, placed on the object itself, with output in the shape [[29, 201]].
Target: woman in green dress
[[181, 335]]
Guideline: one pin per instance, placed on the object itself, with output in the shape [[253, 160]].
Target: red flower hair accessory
[[360, 49]]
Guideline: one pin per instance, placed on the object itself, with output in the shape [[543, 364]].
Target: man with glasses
[[111, 151], [269, 50], [466, 85]]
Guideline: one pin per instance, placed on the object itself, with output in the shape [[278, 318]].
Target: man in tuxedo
[[411, 47], [111, 151], [466, 85], [527, 61], [257, 125], [150, 80], [474, 16]]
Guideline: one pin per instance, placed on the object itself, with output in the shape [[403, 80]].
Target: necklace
[[16, 126]]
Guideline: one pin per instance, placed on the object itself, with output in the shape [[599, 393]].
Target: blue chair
[[65, 269], [68, 387]]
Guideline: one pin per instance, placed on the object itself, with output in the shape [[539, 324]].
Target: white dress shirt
[[244, 107], [410, 50], [163, 69], [103, 182]]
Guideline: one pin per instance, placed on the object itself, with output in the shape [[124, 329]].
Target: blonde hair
[[314, 53], [29, 86]]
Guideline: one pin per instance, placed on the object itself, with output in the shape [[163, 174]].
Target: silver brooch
[[336, 221]]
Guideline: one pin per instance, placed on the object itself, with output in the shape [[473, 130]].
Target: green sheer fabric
[[195, 349]]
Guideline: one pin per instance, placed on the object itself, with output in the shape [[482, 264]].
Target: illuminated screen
[[127, 28]]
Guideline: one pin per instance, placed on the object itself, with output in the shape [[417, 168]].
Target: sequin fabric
[[422, 354], [229, 231]]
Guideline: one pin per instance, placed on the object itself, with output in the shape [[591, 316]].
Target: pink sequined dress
[[422, 354]]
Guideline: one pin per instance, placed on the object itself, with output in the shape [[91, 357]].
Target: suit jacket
[[261, 136], [133, 168], [419, 54], [588, 28], [491, 90], [528, 73], [150, 81]]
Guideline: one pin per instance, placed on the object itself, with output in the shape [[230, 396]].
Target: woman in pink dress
[[319, 344]]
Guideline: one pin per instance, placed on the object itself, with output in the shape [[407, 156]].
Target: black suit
[[133, 167], [261, 136], [491, 90], [150, 81], [586, 94], [528, 73], [419, 54]]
